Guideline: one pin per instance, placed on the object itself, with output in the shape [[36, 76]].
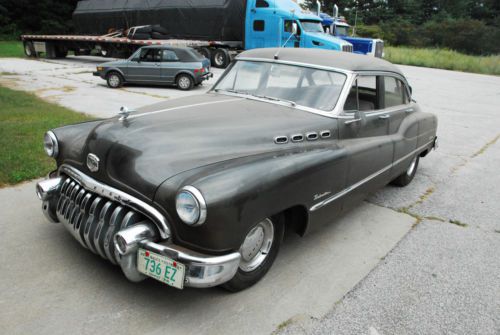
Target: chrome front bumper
[[117, 237]]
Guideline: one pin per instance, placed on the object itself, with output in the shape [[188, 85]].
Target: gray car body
[[161, 72], [226, 146]]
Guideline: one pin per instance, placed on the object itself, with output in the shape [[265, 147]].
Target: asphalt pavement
[[444, 276], [441, 277]]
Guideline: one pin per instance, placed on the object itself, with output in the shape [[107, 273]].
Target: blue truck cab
[[270, 23], [338, 27]]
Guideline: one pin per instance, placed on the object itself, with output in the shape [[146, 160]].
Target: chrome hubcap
[[411, 168], [256, 246], [219, 59], [114, 81], [184, 82]]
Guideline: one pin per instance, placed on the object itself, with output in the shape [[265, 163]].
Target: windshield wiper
[[292, 103]]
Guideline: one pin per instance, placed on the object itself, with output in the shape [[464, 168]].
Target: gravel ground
[[444, 276]]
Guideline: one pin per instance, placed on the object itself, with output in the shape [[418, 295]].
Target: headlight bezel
[[51, 139], [199, 200]]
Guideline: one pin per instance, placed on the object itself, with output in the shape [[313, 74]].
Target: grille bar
[[92, 219]]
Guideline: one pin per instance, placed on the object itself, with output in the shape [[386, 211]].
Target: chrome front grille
[[92, 219], [347, 48]]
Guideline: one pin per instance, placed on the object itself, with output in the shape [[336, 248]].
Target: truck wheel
[[61, 53], [406, 177], [184, 82], [220, 58], [205, 52], [114, 80], [29, 50], [258, 252]]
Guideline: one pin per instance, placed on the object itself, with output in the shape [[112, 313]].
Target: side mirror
[[294, 28]]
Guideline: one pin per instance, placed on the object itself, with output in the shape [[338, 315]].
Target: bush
[[464, 35]]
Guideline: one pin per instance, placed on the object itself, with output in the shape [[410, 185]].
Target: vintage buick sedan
[[198, 191]]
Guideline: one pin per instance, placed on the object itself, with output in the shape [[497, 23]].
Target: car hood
[[165, 139]]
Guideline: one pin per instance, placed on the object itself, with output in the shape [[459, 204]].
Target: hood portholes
[[312, 136], [281, 139], [297, 138], [325, 134]]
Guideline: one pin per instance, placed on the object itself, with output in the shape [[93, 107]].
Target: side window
[[363, 95], [394, 93], [262, 4], [289, 26], [150, 55], [259, 25], [367, 93], [169, 56]]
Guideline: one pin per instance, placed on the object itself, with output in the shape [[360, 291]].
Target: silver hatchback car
[[158, 65]]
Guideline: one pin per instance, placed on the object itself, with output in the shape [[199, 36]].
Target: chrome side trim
[[362, 181], [121, 197]]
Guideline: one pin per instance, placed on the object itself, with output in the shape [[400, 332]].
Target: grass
[[24, 119], [443, 59], [11, 49]]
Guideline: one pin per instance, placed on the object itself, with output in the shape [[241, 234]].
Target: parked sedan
[[158, 65], [199, 191]]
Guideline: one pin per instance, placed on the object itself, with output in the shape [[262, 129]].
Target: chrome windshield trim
[[314, 66], [365, 180], [121, 197]]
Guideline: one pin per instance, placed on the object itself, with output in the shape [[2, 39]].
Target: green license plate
[[161, 268]]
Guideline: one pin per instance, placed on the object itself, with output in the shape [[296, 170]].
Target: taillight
[[199, 70]]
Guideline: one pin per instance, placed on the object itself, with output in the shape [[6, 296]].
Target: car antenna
[[294, 31]]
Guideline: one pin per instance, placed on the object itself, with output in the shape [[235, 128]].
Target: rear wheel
[[406, 177], [29, 50], [114, 80], [220, 58], [185, 82], [258, 252]]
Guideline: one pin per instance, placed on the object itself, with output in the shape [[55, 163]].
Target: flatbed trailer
[[111, 45]]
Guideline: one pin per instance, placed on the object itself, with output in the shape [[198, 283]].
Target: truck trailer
[[219, 29]]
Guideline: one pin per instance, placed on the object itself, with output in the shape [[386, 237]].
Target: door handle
[[409, 110], [352, 121], [383, 117]]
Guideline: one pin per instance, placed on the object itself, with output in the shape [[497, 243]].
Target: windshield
[[312, 26], [341, 30], [295, 85]]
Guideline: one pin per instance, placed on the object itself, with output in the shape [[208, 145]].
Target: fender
[[242, 192]]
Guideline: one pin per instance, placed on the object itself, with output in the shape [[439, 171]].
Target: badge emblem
[[93, 162]]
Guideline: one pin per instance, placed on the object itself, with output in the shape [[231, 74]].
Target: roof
[[329, 58]]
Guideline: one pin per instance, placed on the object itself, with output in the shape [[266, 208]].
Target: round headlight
[[191, 206], [50, 144]]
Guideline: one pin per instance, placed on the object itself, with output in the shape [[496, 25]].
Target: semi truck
[[337, 26], [218, 29]]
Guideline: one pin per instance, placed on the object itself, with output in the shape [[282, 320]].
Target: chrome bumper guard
[[201, 270]]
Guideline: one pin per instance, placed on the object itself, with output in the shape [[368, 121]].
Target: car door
[[146, 67], [364, 133], [402, 128], [170, 66]]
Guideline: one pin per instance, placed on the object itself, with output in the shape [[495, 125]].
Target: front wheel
[[406, 177], [258, 252], [114, 80]]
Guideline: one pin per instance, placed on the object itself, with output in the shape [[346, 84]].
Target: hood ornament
[[124, 113], [93, 162]]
